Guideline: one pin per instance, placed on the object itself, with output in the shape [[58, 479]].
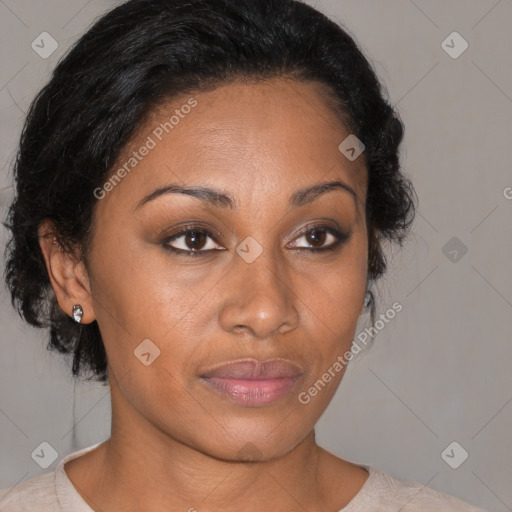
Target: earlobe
[[67, 275]]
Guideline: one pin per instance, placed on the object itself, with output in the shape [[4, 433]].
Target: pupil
[[195, 236], [313, 237]]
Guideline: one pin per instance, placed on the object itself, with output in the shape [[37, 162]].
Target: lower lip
[[252, 393]]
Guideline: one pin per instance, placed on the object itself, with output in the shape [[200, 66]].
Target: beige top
[[54, 492]]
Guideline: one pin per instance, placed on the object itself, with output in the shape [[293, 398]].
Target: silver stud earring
[[367, 299], [77, 313]]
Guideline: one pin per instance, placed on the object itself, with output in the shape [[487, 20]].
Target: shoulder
[[48, 492], [37, 494], [413, 496]]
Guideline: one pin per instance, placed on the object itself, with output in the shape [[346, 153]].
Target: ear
[[68, 275]]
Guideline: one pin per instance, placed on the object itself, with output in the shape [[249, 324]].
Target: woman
[[202, 189]]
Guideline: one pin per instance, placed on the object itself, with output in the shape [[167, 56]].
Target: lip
[[253, 383]]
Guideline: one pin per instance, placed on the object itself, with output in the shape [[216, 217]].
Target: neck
[[182, 478]]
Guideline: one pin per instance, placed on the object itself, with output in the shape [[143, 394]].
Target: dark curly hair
[[141, 54]]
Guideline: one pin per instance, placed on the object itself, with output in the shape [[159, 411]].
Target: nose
[[259, 299]]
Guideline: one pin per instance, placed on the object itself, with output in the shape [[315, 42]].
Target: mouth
[[253, 383]]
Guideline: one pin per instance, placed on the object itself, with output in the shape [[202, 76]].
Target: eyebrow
[[222, 199]]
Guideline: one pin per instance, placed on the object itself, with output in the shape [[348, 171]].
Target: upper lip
[[252, 369]]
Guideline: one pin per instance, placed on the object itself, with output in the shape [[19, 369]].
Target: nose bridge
[[259, 298], [261, 275]]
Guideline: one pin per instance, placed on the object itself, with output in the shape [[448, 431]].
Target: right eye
[[193, 242]]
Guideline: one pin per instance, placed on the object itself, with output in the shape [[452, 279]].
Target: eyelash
[[338, 235]]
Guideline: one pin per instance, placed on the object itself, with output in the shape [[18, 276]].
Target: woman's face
[[252, 290]]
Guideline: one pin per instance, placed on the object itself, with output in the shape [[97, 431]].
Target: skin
[[176, 444]]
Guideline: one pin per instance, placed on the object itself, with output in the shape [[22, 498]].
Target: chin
[[251, 442]]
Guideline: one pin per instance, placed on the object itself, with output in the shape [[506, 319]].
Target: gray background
[[439, 371]]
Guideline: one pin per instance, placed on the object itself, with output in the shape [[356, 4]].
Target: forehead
[[250, 137]]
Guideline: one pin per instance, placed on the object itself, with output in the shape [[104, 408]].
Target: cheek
[[335, 295], [333, 301], [158, 395], [138, 290]]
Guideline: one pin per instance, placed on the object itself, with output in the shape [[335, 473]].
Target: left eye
[[316, 237]]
